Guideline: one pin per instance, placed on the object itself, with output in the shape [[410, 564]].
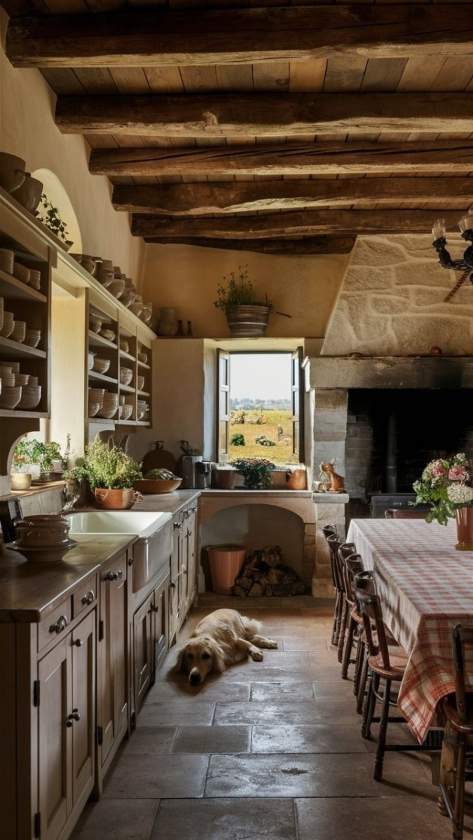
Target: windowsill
[[33, 491]]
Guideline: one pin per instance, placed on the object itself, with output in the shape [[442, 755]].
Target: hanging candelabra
[[465, 264]]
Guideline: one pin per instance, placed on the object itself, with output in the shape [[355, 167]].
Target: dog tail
[[252, 627]]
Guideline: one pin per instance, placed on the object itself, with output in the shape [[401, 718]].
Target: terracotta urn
[[296, 479], [115, 499], [464, 518]]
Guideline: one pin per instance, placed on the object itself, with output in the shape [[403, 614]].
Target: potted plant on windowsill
[[445, 485], [247, 315], [110, 474], [255, 471]]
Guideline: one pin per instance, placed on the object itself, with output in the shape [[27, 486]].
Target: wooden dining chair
[[345, 550], [458, 710], [352, 566], [363, 580], [386, 666], [333, 542], [404, 513]]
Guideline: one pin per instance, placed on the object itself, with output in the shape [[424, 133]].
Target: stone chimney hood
[[345, 372]]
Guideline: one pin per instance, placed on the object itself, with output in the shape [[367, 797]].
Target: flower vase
[[464, 516]]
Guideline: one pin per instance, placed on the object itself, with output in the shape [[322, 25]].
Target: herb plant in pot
[[446, 485], [247, 315], [255, 471], [110, 473]]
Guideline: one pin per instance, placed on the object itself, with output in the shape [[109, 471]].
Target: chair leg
[[369, 707], [458, 813], [347, 651], [383, 727], [336, 618], [360, 651], [343, 627], [360, 697]]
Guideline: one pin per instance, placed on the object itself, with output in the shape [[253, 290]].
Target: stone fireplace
[[392, 383]]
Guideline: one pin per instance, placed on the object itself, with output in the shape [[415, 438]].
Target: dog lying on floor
[[221, 639]]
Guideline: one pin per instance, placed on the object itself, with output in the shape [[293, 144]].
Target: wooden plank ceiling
[[274, 127]]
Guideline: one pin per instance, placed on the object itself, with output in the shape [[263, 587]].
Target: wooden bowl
[[157, 485]]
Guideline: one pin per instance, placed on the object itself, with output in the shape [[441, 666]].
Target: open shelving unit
[[122, 353]]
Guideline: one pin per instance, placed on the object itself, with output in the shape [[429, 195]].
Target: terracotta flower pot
[[115, 499], [464, 518]]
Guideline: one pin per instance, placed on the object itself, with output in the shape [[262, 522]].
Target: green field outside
[[273, 425]]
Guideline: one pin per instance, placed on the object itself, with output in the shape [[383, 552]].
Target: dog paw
[[272, 645], [256, 656]]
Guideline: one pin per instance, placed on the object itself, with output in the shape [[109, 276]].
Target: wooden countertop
[[29, 591]]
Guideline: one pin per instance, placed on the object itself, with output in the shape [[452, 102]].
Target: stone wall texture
[[391, 301]]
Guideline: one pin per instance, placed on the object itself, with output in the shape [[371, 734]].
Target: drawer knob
[[72, 717], [78, 642], [60, 625], [154, 609], [114, 575], [88, 599]]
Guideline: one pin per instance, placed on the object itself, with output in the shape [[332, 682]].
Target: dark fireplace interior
[[392, 434]]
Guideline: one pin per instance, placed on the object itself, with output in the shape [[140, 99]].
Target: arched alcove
[[59, 197]]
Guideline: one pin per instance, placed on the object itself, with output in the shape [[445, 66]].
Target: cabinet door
[[191, 557], [55, 739], [161, 622], [113, 683], [183, 571], [174, 586], [143, 650], [83, 702]]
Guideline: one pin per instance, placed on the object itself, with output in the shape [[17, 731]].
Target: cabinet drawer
[[55, 624], [84, 596]]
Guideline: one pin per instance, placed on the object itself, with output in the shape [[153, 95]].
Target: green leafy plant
[[445, 485], [238, 290], [34, 451], [238, 439], [49, 216], [255, 471], [106, 466]]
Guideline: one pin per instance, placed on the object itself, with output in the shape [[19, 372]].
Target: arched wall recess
[[12, 431], [58, 196]]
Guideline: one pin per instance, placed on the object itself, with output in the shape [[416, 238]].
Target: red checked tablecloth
[[426, 587]]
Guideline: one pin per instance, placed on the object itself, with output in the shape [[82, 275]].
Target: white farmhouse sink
[[138, 523]]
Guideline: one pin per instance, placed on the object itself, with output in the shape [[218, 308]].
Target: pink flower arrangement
[[458, 473], [438, 469]]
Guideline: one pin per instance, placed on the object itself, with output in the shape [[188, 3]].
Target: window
[[260, 406]]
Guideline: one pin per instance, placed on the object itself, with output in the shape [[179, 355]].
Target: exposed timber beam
[[284, 247], [265, 114], [444, 157], [250, 197], [232, 36], [288, 225]]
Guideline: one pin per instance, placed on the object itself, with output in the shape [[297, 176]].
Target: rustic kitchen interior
[[236, 361]]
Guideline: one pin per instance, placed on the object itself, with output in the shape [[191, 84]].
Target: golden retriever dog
[[221, 639]]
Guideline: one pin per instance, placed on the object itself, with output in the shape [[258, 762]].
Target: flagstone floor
[[268, 751]]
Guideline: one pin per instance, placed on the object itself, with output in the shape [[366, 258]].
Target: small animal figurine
[[332, 482]]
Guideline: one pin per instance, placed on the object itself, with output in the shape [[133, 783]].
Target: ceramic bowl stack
[[21, 272], [101, 365], [19, 332], [147, 313], [33, 337], [143, 410], [10, 395], [87, 262], [7, 260], [29, 193], [143, 357], [126, 411], [31, 396], [105, 272], [43, 538], [140, 382], [124, 344], [110, 406], [12, 172], [108, 333], [19, 390], [95, 323], [137, 306], [8, 324], [35, 279], [96, 398], [126, 375]]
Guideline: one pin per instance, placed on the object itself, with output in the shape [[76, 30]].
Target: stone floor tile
[[176, 713], [410, 818], [276, 691], [120, 819], [212, 739], [149, 777], [225, 819], [213, 689], [286, 712], [320, 738], [150, 740], [312, 775]]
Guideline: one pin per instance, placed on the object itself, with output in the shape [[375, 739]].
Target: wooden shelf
[[15, 289], [144, 365], [15, 350], [133, 423], [100, 341], [20, 413], [129, 389], [102, 377], [143, 393], [126, 355]]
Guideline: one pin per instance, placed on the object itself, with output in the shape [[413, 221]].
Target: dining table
[[425, 586]]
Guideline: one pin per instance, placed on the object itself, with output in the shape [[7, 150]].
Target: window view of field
[[260, 407]]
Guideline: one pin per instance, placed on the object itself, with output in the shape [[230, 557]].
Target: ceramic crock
[[296, 479], [464, 518], [115, 499]]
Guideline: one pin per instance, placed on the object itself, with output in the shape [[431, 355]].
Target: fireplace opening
[[391, 436]]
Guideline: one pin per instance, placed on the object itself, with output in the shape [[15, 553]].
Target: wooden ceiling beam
[[231, 36], [265, 114], [250, 197], [290, 224], [307, 246], [444, 157]]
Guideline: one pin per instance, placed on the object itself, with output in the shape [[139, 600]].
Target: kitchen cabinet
[[183, 567], [160, 630], [113, 682], [143, 650], [66, 727], [191, 551]]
